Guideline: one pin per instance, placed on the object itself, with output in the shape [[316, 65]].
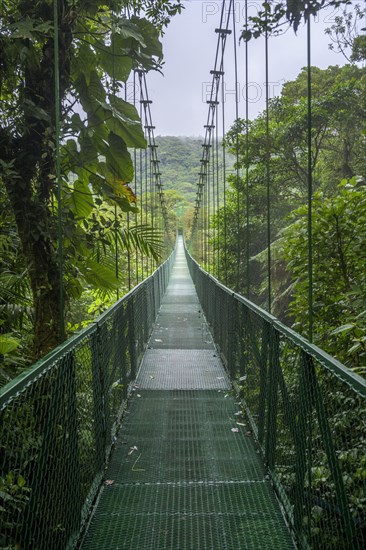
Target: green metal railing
[[307, 412], [59, 419]]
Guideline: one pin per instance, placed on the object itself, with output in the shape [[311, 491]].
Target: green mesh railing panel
[[307, 411], [58, 421], [185, 473]]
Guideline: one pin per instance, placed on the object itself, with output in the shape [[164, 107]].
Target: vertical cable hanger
[[223, 34], [212, 102], [60, 252], [247, 240], [114, 89], [213, 185], [224, 168], [208, 187], [202, 199], [205, 221], [310, 183], [146, 179], [135, 178], [237, 287], [141, 172], [218, 273], [268, 183], [217, 76], [207, 190], [157, 188], [128, 230], [151, 167]]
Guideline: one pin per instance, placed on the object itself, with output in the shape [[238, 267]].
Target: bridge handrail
[[17, 384], [306, 411], [59, 418], [339, 369]]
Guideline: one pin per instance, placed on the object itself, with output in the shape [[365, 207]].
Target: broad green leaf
[[116, 65], [70, 155], [119, 159], [34, 111], [81, 200], [91, 93], [8, 343], [100, 276], [124, 108], [26, 28], [99, 135], [121, 124], [88, 150], [127, 29], [144, 238], [84, 62], [151, 37]]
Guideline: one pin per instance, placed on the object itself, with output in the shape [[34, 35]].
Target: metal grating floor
[[182, 369], [185, 473], [192, 516]]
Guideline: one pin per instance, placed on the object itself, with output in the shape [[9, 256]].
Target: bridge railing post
[[232, 336], [99, 397], [272, 399], [263, 381], [132, 336]]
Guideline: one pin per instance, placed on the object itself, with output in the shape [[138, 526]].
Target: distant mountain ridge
[[180, 163]]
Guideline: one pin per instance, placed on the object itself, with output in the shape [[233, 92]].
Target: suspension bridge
[[186, 416]]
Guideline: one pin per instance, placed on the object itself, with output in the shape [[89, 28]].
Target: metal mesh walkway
[[185, 473]]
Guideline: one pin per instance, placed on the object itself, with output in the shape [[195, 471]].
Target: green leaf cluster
[[99, 45], [339, 251], [339, 245]]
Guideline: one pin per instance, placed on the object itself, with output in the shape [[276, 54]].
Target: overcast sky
[[179, 103]]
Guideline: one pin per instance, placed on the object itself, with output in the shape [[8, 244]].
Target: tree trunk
[[31, 155], [33, 224]]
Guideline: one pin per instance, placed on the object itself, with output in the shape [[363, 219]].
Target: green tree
[[344, 34], [337, 152], [273, 16], [339, 244], [99, 45]]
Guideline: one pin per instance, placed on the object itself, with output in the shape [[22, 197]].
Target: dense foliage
[[99, 44], [337, 154], [179, 158], [339, 229], [275, 17]]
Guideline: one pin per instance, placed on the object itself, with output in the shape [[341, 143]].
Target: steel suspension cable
[[218, 193], [237, 155], [151, 187], [310, 183], [214, 246], [141, 192], [268, 185], [224, 167], [145, 193], [205, 211], [135, 180], [158, 187], [208, 219], [247, 240], [216, 73]]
